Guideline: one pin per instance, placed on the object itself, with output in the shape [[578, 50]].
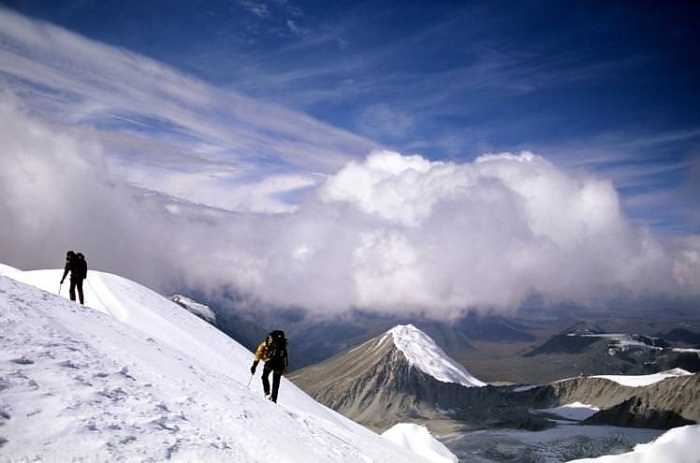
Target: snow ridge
[[132, 376], [422, 352]]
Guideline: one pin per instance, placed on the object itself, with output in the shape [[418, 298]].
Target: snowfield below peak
[[422, 352], [644, 380]]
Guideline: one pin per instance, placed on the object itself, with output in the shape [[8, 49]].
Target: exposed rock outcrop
[[664, 405]]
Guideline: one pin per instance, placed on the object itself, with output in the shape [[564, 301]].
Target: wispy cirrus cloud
[[136, 104]]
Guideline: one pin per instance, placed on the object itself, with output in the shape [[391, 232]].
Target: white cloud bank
[[216, 191], [448, 235], [390, 233]]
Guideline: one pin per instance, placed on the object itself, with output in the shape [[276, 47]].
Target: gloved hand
[[61, 280], [252, 368]]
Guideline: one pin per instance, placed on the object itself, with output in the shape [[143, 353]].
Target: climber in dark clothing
[[77, 266], [272, 351]]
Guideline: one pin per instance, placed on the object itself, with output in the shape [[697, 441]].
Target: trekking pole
[[59, 288], [249, 380]]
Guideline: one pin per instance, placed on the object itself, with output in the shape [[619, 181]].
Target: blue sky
[[613, 86], [357, 138]]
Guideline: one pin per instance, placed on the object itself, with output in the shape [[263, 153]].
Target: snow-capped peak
[[422, 352]]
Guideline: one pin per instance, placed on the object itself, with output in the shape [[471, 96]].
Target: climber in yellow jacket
[[272, 351]]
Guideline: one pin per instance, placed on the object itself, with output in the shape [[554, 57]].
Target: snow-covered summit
[[201, 310], [423, 353], [131, 376]]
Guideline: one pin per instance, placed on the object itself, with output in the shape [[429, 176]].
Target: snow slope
[[422, 352], [644, 380], [419, 439], [132, 376], [678, 445]]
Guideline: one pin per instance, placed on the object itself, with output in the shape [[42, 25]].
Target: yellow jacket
[[261, 352]]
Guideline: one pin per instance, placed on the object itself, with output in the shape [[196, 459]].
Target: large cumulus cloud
[[401, 232], [390, 233]]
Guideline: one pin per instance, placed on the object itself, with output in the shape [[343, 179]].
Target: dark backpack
[[80, 266], [276, 346]]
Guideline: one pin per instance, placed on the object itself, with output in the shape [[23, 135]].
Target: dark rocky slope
[[663, 405]]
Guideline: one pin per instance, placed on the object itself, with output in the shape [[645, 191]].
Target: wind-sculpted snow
[[422, 352], [676, 446], [644, 380], [202, 311], [132, 376], [419, 438]]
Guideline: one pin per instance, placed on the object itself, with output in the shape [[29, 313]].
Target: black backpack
[[80, 266], [276, 346]]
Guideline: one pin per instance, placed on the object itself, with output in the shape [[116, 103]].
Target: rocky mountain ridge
[[662, 405], [376, 385]]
